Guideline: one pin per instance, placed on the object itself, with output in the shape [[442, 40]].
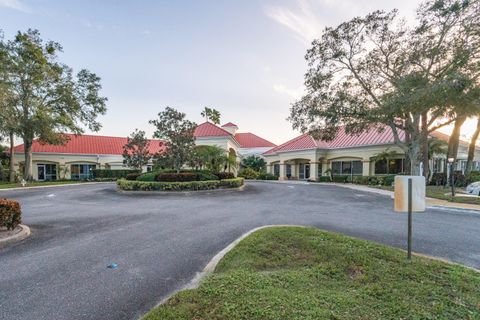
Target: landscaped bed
[[305, 273], [135, 185]]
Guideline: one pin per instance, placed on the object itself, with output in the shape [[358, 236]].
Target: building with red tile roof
[[307, 158], [81, 154]]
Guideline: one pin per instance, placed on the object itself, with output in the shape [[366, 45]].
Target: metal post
[[452, 179], [409, 241]]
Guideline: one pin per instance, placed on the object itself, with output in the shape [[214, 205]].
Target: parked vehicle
[[474, 188]]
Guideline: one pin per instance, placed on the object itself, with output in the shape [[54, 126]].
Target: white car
[[474, 188]]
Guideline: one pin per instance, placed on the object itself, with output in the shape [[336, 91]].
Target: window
[[347, 168], [288, 171], [336, 167], [47, 172], [395, 166], [276, 169], [82, 171], [149, 168], [319, 170]]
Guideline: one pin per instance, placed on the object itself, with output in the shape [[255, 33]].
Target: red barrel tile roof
[[208, 129], [88, 144], [230, 124], [342, 140], [250, 140]]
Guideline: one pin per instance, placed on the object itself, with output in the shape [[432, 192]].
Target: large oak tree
[[376, 72], [51, 99]]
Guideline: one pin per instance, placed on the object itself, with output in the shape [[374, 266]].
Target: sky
[[244, 58]]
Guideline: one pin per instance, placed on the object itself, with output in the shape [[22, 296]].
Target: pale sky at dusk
[[244, 58]]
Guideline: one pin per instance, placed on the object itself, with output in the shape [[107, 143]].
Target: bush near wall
[[267, 176], [248, 173], [178, 186], [10, 214], [324, 179], [112, 174]]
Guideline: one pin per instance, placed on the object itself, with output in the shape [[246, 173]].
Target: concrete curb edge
[[23, 234], [212, 264]]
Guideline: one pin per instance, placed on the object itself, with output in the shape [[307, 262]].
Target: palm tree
[[385, 155]]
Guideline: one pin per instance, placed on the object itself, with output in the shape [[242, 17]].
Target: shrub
[[206, 177], [225, 175], [438, 179], [148, 176], [133, 175], [10, 214], [460, 180], [248, 173], [267, 176], [360, 180], [178, 186], [472, 177], [341, 179], [324, 179], [231, 183], [389, 180], [176, 177], [110, 173]]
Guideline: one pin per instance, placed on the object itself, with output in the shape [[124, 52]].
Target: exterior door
[[307, 171], [41, 172]]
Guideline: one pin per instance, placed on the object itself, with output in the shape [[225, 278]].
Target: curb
[[212, 264], [54, 186], [430, 202], [23, 234]]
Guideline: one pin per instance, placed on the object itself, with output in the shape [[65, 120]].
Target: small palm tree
[[385, 155]]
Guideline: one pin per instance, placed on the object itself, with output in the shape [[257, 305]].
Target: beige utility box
[[401, 193]]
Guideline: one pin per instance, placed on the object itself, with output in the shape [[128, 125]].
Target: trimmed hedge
[[267, 176], [110, 173], [176, 177], [133, 176], [324, 179], [148, 176], [225, 175], [10, 214], [178, 186]]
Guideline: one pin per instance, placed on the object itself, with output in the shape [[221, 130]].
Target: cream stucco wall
[[324, 158]]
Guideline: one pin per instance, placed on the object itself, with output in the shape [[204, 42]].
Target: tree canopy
[[49, 98], [254, 162], [211, 114], [375, 72], [136, 152], [177, 135]]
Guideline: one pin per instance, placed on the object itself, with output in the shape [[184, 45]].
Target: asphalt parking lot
[[160, 242]]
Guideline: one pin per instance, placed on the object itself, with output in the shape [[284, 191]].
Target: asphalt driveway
[[161, 241]]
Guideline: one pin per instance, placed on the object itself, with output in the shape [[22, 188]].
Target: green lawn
[[440, 192], [305, 273], [37, 183]]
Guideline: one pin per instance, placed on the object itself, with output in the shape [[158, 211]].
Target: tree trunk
[[28, 173], [471, 148], [12, 156], [454, 139], [425, 160], [414, 156]]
